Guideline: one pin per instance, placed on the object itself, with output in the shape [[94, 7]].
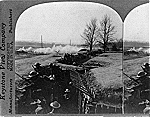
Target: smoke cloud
[[55, 49]]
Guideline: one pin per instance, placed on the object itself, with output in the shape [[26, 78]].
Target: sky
[[136, 24], [61, 22]]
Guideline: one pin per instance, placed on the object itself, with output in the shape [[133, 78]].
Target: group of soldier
[[73, 59], [48, 88], [139, 92], [44, 89]]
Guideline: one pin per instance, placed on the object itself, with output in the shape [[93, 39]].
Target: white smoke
[[139, 49], [30, 49], [22, 49], [55, 49], [145, 50]]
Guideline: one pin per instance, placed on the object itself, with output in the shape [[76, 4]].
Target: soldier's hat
[[51, 77], [37, 64], [141, 74], [50, 64], [55, 104], [67, 90], [32, 73], [147, 101], [146, 64]]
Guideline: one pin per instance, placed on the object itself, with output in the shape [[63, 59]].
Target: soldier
[[144, 79], [147, 108], [33, 76], [145, 94], [54, 105], [37, 67], [67, 94], [39, 109], [146, 68], [40, 69]]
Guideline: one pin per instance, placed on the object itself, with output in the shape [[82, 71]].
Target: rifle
[[131, 78], [22, 77]]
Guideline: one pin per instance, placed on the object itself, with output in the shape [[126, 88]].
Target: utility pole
[[41, 42], [70, 41]]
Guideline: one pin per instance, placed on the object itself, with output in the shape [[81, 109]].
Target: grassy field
[[109, 74], [133, 66]]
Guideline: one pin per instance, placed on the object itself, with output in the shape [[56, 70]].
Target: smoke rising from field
[[144, 50], [55, 49]]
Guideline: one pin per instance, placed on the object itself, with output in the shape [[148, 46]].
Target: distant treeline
[[127, 44], [135, 44], [36, 44]]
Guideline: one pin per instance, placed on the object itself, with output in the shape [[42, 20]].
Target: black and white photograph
[[75, 57], [68, 59]]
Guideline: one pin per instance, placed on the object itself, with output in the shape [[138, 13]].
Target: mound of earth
[[107, 78], [109, 72]]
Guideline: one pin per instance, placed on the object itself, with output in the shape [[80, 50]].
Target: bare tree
[[106, 32], [120, 43], [90, 33]]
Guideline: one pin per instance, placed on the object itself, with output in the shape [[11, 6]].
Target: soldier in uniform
[[54, 105], [40, 69], [33, 76], [37, 67], [143, 79], [146, 68], [147, 108]]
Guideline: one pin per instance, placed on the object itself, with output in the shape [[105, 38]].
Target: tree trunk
[[104, 50], [90, 47], [104, 47]]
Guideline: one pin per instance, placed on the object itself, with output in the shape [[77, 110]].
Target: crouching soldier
[[67, 94], [143, 79], [38, 68], [33, 76], [146, 68], [54, 105], [147, 108]]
